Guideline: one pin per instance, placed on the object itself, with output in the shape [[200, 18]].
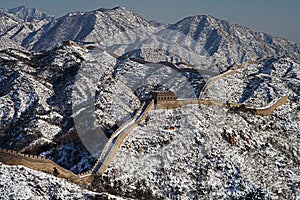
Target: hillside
[[38, 185], [231, 43], [218, 152]]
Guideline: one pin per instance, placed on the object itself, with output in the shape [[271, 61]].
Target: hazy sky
[[278, 17]]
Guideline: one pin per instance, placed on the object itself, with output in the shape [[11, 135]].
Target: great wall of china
[[121, 138], [42, 164], [109, 151], [229, 72], [10, 157]]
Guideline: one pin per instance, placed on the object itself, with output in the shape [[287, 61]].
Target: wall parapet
[[121, 138], [107, 145], [11, 157], [208, 102], [229, 72]]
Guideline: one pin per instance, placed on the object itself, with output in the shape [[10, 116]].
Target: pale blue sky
[[277, 17]]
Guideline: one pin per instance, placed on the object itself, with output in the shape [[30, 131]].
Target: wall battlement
[[72, 43], [172, 104], [165, 100], [41, 164]]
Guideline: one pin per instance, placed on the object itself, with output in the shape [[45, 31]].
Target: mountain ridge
[[225, 34], [30, 14], [228, 43]]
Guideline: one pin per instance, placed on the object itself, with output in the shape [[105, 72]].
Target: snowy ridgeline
[[221, 41]]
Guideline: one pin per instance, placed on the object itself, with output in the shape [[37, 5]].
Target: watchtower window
[[165, 96]]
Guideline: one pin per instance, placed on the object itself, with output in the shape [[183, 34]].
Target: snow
[[18, 182], [252, 86]]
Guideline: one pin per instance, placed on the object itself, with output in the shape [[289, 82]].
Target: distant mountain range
[[228, 43]]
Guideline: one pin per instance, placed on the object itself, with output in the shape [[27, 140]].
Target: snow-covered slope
[[91, 26], [259, 84], [211, 152], [232, 43], [6, 43], [192, 152], [38, 106], [17, 23], [187, 153], [32, 184]]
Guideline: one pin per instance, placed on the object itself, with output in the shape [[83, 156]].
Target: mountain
[[232, 43], [17, 23], [204, 152], [91, 26], [64, 100], [29, 14], [224, 42]]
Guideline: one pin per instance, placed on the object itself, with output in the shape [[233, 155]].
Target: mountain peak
[[22, 7], [88, 26], [29, 14], [118, 9]]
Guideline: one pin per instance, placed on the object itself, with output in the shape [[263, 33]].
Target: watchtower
[[165, 99], [161, 96]]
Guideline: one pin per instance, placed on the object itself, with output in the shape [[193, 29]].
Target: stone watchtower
[[165, 100]]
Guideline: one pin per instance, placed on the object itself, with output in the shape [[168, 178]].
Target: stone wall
[[107, 145], [174, 104], [168, 104], [259, 111], [121, 138], [10, 157], [269, 109], [231, 71]]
